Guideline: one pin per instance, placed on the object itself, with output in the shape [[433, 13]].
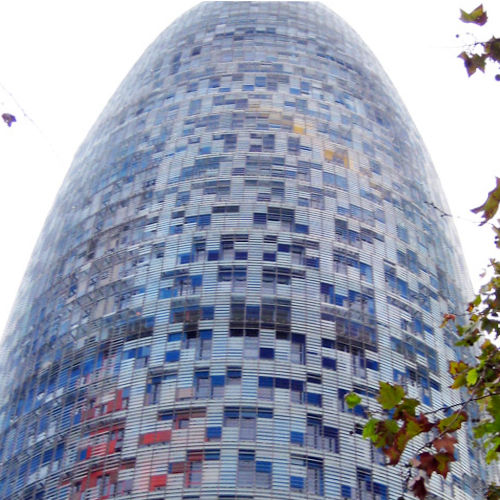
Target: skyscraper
[[248, 233]]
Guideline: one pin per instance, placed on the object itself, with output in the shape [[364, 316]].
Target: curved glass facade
[[248, 233]]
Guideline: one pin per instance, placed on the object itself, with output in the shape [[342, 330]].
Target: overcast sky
[[61, 61]]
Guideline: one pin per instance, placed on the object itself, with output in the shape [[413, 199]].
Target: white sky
[[63, 60]]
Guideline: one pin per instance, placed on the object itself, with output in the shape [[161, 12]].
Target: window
[[233, 376], [368, 489], [235, 275], [185, 313], [245, 419], [297, 391], [266, 388], [313, 481], [250, 347], [213, 433], [194, 107], [202, 384], [140, 354], [153, 391], [298, 255], [314, 477], [199, 340], [105, 486], [314, 438], [172, 356], [329, 363], [252, 473], [194, 472], [327, 293], [266, 353], [186, 285], [298, 349], [271, 277], [358, 362]]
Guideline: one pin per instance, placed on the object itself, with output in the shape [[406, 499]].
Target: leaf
[[446, 318], [370, 430], [390, 395], [460, 380], [472, 377], [445, 444], [457, 367], [492, 48], [443, 463], [490, 207], [477, 16], [427, 463], [352, 400], [407, 406], [417, 486], [472, 62], [453, 422]]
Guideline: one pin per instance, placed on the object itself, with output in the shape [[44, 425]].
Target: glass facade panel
[[246, 235]]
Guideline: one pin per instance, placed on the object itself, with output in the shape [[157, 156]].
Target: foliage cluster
[[478, 54]]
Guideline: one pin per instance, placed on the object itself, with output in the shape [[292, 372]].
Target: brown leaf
[[427, 463], [445, 444], [8, 118], [417, 486]]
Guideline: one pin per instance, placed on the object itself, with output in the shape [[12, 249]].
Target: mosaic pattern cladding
[[248, 233]]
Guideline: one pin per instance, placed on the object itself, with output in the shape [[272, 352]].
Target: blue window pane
[[266, 382], [314, 399], [218, 380], [213, 255], [266, 353], [212, 454], [263, 466], [297, 438], [172, 356], [165, 293], [214, 432], [329, 363], [345, 491]]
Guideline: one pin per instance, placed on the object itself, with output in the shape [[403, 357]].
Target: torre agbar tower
[[247, 234]]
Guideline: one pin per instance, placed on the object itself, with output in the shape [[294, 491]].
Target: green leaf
[[352, 400], [492, 48], [390, 395], [408, 405], [473, 62], [456, 367], [472, 377], [453, 422], [477, 16], [392, 426], [490, 206], [370, 430], [413, 429], [443, 460]]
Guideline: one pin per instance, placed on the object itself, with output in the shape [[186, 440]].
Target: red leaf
[[418, 487], [445, 444], [427, 463]]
